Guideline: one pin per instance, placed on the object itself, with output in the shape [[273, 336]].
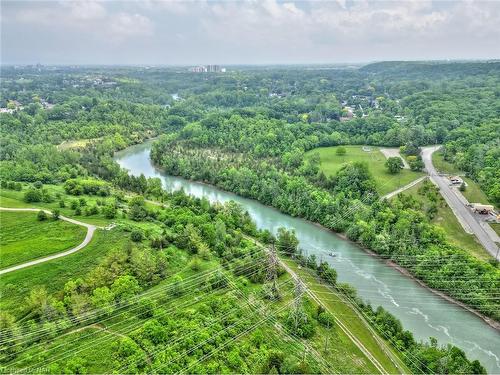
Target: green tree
[[41, 216], [33, 195], [341, 151], [103, 298], [287, 241], [56, 214], [136, 235], [394, 164], [125, 287]]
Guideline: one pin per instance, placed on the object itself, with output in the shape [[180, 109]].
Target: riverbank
[[491, 322], [419, 309]]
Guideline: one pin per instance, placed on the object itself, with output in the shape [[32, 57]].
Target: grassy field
[[442, 165], [14, 199], [453, 230], [80, 143], [386, 182], [23, 237], [473, 192], [15, 286]]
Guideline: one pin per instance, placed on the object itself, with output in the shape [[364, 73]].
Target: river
[[421, 311]]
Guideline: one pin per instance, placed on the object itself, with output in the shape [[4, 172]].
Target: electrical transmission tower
[[297, 313], [271, 286]]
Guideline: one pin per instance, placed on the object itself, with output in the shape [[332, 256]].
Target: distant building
[[207, 69], [198, 69], [213, 68], [349, 114]]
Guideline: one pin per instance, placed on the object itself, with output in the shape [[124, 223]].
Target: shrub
[[109, 211], [326, 320], [341, 151], [55, 214], [78, 186], [177, 288], [136, 235], [41, 216], [33, 195], [146, 308], [394, 164], [195, 264]]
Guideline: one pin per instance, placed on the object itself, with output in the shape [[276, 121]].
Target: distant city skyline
[[149, 32]]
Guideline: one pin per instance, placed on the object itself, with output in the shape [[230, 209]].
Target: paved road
[[463, 214], [403, 188], [90, 233]]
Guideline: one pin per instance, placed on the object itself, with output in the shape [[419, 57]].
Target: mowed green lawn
[[386, 182], [24, 238]]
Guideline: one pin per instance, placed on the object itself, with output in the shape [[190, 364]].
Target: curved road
[[90, 233], [463, 214]]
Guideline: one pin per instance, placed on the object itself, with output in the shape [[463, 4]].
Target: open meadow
[[331, 162], [24, 237]]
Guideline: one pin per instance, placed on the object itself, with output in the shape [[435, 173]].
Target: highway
[[463, 214]]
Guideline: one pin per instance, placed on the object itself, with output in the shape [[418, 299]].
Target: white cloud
[[84, 9], [126, 25], [170, 31]]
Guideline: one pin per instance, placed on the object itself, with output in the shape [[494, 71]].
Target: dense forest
[[246, 131]]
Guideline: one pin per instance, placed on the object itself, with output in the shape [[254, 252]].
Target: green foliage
[[33, 195], [136, 235], [109, 211], [124, 287], [341, 151], [86, 186], [41, 215], [287, 241], [394, 164], [247, 132], [326, 320], [300, 323]]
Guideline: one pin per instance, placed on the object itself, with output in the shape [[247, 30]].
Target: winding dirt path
[[90, 233]]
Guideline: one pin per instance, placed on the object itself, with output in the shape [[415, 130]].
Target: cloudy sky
[[246, 32]]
